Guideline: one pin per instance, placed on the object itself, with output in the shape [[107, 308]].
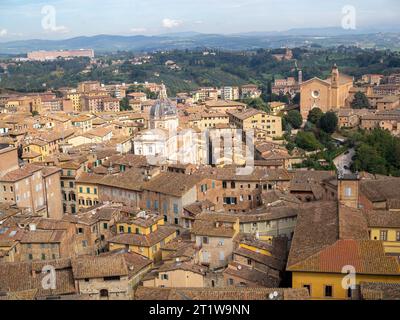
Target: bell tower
[[335, 87], [348, 189]]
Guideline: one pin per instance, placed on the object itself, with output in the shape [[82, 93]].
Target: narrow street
[[344, 161]]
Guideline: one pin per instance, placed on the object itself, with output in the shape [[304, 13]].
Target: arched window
[[103, 293]]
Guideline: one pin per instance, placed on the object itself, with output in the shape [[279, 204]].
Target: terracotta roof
[[20, 173], [22, 276], [379, 291], [316, 228], [382, 219], [242, 294], [144, 240], [129, 180], [90, 178], [381, 190], [109, 265], [186, 266], [175, 184], [253, 275], [367, 256], [43, 236]]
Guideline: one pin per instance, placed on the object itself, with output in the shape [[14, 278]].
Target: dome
[[163, 107]]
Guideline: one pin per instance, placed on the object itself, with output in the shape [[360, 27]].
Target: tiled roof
[[130, 180], [144, 240], [41, 236], [108, 265], [22, 276], [253, 275], [383, 219], [20, 173], [381, 190], [242, 294], [379, 291], [367, 256], [175, 184], [316, 228]]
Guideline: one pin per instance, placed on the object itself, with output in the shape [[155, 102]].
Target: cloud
[[171, 23], [138, 30], [3, 32]]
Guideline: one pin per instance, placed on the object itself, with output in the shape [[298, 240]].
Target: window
[[137, 231], [347, 192], [71, 184], [165, 208], [328, 291], [105, 225], [233, 185], [43, 256], [205, 240], [156, 204], [308, 287], [95, 190], [176, 221], [129, 230], [221, 242], [164, 276], [383, 235], [249, 262], [349, 293], [62, 184], [397, 235], [222, 256], [88, 190], [80, 189], [224, 184], [79, 231], [148, 204], [112, 278], [230, 282], [121, 229], [84, 243], [213, 184], [176, 209]]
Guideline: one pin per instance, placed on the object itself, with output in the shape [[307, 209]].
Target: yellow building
[[75, 98], [177, 275], [322, 274], [328, 94], [331, 253], [87, 190], [206, 120], [260, 121], [144, 234], [385, 226]]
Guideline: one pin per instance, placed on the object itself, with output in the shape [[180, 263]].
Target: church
[[161, 137], [329, 94]]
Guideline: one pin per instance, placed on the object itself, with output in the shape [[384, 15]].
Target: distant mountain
[[192, 40]]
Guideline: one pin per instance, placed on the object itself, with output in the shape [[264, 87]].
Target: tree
[[257, 103], [368, 159], [360, 101], [35, 113], [315, 115], [328, 122], [296, 98], [294, 118], [124, 104], [307, 141]]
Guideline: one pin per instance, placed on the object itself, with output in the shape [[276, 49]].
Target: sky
[[60, 19]]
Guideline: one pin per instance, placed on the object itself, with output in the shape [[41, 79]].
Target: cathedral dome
[[163, 107]]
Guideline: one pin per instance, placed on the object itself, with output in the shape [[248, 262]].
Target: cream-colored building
[[328, 94], [260, 121]]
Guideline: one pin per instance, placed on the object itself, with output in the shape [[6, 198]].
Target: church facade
[[329, 94]]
